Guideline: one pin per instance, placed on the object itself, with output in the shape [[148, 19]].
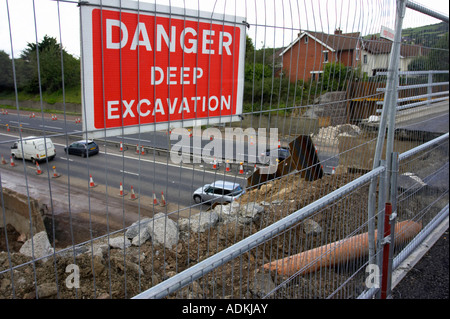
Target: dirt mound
[[106, 272]]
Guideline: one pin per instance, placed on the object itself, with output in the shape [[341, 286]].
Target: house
[[375, 54], [305, 57]]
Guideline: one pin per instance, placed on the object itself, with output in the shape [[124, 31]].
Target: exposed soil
[[125, 273]]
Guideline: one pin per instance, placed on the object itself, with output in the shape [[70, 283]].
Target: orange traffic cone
[[227, 167], [38, 169], [137, 148], [121, 192], [55, 174], [155, 201], [214, 163], [163, 200], [121, 147], [279, 144], [12, 161], [142, 150], [241, 169], [91, 182], [4, 161], [133, 195], [7, 128]]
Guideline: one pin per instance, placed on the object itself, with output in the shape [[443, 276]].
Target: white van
[[35, 149]]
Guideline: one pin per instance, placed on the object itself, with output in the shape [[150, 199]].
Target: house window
[[306, 39], [325, 56], [365, 58], [316, 75]]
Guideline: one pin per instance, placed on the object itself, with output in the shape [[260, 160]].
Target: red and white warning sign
[[157, 67]]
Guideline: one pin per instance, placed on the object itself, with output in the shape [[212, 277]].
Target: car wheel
[[197, 199]]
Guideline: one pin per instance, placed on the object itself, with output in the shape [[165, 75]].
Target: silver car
[[219, 191]]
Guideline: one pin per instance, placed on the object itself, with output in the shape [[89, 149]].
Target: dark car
[[283, 153], [82, 148]]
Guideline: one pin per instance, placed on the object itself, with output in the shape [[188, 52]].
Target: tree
[[49, 71], [6, 75]]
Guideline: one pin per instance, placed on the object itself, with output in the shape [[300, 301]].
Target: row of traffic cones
[[38, 168], [92, 184], [227, 166]]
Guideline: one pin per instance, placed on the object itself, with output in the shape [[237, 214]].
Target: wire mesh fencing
[[208, 147]]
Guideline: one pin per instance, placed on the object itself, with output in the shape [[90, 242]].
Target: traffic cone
[[12, 161], [255, 169], [241, 169], [215, 163], [121, 192], [91, 182], [55, 174], [163, 200], [121, 147], [227, 167], [155, 201], [333, 171], [142, 150], [7, 128], [53, 117], [38, 169], [279, 144], [133, 195], [4, 161], [137, 148]]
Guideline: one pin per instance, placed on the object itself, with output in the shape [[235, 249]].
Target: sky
[[27, 21]]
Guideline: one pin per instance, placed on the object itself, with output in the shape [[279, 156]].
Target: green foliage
[[47, 74], [48, 71], [6, 76], [335, 77]]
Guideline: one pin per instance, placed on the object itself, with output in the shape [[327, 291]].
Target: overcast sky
[[287, 15]]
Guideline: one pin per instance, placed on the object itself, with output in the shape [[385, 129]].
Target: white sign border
[[87, 73]]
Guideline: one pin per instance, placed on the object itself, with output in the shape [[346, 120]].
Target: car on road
[[35, 149], [280, 153], [83, 148], [218, 192]]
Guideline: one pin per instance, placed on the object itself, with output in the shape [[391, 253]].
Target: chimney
[[338, 31]]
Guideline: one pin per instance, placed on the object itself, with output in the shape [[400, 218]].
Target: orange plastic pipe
[[337, 252]]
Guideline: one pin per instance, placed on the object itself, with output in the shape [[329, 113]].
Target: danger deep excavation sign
[[148, 67]]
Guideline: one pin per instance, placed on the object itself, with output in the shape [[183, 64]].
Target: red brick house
[[305, 58]]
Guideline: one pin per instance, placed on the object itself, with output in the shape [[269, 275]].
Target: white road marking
[[53, 127], [131, 173]]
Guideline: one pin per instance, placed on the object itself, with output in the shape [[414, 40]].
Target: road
[[147, 174]]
